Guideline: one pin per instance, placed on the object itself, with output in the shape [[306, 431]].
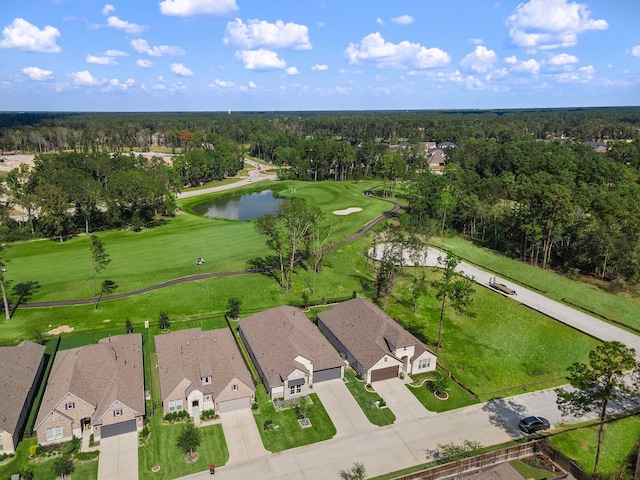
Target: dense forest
[[524, 182]]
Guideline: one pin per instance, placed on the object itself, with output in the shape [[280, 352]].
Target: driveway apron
[[242, 436], [119, 457], [400, 400], [344, 411]]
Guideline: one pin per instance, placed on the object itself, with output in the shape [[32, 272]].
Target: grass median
[[367, 399]]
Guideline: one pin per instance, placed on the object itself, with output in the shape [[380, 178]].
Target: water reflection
[[243, 207]]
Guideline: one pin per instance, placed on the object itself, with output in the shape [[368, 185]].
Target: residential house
[[289, 351], [20, 370], [202, 370], [97, 389], [374, 344]]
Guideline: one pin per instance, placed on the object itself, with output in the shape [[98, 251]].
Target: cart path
[[203, 276]]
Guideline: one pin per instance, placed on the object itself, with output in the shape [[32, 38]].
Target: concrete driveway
[[119, 457], [242, 436], [344, 411], [400, 400]]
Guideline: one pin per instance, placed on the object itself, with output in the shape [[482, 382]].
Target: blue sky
[[265, 55]]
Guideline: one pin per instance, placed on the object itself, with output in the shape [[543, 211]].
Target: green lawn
[[619, 448], [501, 348], [529, 472], [458, 397], [288, 433], [43, 469], [365, 398], [620, 307], [162, 451]]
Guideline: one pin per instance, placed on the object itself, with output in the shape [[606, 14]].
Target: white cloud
[[143, 63], [496, 74], [259, 33], [320, 68], [181, 70], [562, 59], [100, 60], [635, 51], [373, 48], [379, 21], [476, 41], [107, 9], [403, 20], [133, 28], [252, 85], [583, 75], [142, 46], [222, 84], [22, 35], [192, 8], [530, 66], [549, 24], [115, 84], [292, 71], [38, 74], [116, 53], [480, 60], [512, 60], [260, 59], [84, 78]]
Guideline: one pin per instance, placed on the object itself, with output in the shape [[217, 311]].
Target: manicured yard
[[162, 451], [501, 348], [619, 448], [366, 399], [287, 432], [458, 397], [530, 472], [43, 466]]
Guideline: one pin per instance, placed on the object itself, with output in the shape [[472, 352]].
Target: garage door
[[384, 373], [237, 404], [326, 374], [118, 428]]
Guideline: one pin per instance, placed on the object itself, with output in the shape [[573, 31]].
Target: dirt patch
[[60, 329], [347, 211]]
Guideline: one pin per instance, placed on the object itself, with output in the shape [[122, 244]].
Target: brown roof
[[277, 336], [193, 354], [366, 331], [99, 374], [18, 369]]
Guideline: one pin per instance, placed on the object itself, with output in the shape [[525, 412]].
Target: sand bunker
[[347, 211], [60, 329]]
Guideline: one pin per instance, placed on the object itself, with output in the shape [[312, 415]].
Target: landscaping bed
[[367, 401]]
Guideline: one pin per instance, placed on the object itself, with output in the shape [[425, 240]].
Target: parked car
[[534, 424]]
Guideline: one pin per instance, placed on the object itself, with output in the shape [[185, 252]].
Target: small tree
[[233, 307], [357, 472], [3, 283], [303, 407], [604, 379], [189, 439], [27, 474], [128, 325], [107, 288], [163, 321], [99, 260], [451, 452], [63, 465]]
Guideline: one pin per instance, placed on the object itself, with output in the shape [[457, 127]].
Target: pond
[[242, 207]]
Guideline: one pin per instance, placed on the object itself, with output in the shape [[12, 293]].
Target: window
[[1, 446], [206, 380], [424, 363], [292, 390], [298, 388], [175, 405], [117, 412], [54, 433], [70, 405], [234, 387]]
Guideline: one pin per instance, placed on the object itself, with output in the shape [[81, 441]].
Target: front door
[[195, 408], [85, 424]]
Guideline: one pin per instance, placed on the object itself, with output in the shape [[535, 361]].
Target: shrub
[[144, 433], [33, 450], [70, 446], [254, 406], [27, 474], [4, 456], [207, 415], [382, 403], [84, 456], [268, 425]]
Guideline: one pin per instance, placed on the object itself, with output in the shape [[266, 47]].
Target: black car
[[534, 424]]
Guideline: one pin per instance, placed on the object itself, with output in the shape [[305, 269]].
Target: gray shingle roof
[[193, 354], [99, 374], [277, 336], [18, 369], [366, 331]]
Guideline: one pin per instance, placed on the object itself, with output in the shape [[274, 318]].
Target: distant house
[[447, 145], [97, 389], [430, 146], [20, 370], [436, 159], [600, 147], [202, 370], [289, 351], [374, 344]]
